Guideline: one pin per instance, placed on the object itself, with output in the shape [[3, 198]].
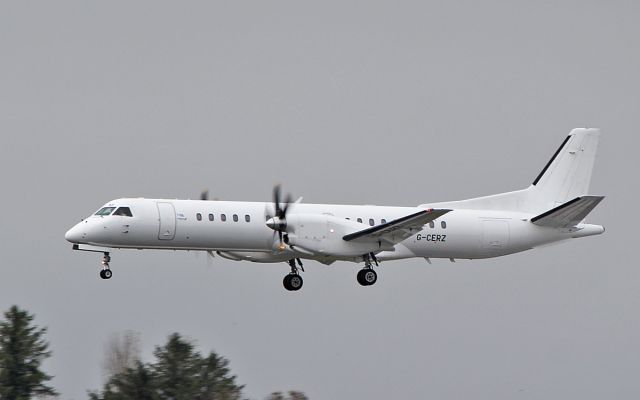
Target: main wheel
[[369, 277], [295, 282], [292, 282], [106, 274]]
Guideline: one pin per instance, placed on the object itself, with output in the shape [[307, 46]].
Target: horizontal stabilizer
[[397, 230], [568, 214]]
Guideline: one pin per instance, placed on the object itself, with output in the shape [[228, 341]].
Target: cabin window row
[[247, 218], [223, 217], [372, 222], [443, 224]]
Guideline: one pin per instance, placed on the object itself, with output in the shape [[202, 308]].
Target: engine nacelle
[[255, 256], [323, 235]]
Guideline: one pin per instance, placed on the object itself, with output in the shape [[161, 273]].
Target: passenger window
[[371, 222], [223, 217], [123, 211], [383, 221], [443, 225], [199, 217], [105, 211], [431, 224], [210, 217], [359, 220], [247, 218], [235, 217]]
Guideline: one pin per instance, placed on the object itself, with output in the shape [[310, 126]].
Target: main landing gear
[[106, 273], [293, 281], [367, 276]]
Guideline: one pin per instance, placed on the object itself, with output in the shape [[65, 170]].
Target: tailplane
[[568, 214]]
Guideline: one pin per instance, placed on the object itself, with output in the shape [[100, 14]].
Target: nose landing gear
[[106, 273]]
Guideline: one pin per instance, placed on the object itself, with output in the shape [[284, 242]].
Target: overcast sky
[[399, 103]]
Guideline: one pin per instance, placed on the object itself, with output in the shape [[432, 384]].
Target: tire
[[286, 282], [360, 278], [295, 282], [102, 274], [369, 277], [107, 274]]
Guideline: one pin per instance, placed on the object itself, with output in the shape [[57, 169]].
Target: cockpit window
[[105, 211], [123, 211]]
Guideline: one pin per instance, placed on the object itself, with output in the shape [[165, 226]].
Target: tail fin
[[568, 174]]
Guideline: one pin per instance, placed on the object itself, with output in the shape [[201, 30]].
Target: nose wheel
[[106, 273]]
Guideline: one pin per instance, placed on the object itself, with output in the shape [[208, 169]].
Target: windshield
[[124, 211], [105, 211]]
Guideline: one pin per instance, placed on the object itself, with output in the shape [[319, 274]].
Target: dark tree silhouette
[[22, 351], [292, 395], [121, 352], [178, 373]]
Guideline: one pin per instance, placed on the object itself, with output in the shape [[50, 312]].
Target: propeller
[[279, 221], [204, 195]]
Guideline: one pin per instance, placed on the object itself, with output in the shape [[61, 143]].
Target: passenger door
[[167, 221]]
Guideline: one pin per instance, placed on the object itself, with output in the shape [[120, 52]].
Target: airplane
[[552, 209]]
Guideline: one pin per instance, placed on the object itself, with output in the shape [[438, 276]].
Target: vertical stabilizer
[[568, 174], [565, 177]]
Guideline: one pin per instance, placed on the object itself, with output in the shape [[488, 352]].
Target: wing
[[397, 230], [568, 214]]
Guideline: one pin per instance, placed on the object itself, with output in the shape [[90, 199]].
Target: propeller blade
[[276, 199], [278, 221], [287, 201], [204, 195]]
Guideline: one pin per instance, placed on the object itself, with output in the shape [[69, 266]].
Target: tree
[[178, 373], [133, 383], [121, 353], [176, 369], [22, 351], [182, 373], [293, 395], [217, 381]]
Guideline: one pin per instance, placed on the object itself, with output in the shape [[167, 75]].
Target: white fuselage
[[237, 230], [552, 209]]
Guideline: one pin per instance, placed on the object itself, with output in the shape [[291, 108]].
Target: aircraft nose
[[75, 234]]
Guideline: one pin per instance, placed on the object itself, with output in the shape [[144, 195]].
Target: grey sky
[[396, 103]]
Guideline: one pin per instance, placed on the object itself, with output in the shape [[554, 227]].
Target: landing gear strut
[[367, 276], [106, 273], [293, 281]]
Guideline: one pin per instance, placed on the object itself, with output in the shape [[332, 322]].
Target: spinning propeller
[[279, 221]]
